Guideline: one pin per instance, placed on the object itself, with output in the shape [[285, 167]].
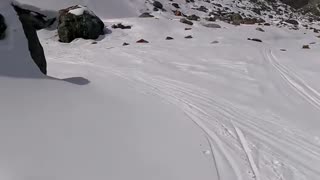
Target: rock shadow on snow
[[77, 80]]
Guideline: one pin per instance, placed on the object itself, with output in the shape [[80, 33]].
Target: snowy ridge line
[[294, 81]]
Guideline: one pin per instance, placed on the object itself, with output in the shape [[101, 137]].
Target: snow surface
[[182, 109], [78, 11], [256, 105]]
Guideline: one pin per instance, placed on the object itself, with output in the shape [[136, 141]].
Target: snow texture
[[182, 109]]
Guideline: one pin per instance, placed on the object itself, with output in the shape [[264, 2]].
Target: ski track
[[226, 125], [247, 140], [294, 81]]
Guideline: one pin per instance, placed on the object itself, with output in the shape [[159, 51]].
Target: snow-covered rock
[[15, 56], [79, 22]]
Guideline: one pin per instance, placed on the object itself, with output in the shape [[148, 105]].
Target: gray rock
[[3, 27], [121, 26], [292, 21], [212, 25], [260, 29], [169, 38], [142, 41], [193, 17], [157, 4], [146, 15], [185, 21], [236, 19], [255, 39], [86, 26], [176, 5], [305, 47]]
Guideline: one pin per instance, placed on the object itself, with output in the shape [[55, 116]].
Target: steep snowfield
[[258, 106], [58, 129], [182, 109]]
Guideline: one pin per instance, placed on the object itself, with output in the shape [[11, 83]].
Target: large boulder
[[3, 27], [31, 22], [79, 22]]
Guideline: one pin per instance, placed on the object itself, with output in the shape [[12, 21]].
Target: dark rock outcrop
[[158, 5], [292, 21], [260, 29], [255, 39], [146, 15], [3, 27], [120, 26], [86, 25], [305, 47], [185, 21], [142, 41], [212, 25], [193, 17], [176, 5], [31, 23]]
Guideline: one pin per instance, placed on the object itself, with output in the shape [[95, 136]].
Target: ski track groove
[[214, 116], [294, 81]]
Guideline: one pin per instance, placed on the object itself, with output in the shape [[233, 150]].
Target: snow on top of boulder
[[79, 10]]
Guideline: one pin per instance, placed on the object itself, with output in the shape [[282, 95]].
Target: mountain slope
[[216, 106], [76, 129], [257, 105]]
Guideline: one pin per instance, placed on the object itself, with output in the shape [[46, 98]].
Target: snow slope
[[257, 105], [58, 129], [181, 109]]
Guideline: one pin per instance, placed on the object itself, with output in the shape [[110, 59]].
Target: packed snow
[[78, 11], [182, 109]]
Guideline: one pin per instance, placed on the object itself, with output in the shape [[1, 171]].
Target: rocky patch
[[121, 26]]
